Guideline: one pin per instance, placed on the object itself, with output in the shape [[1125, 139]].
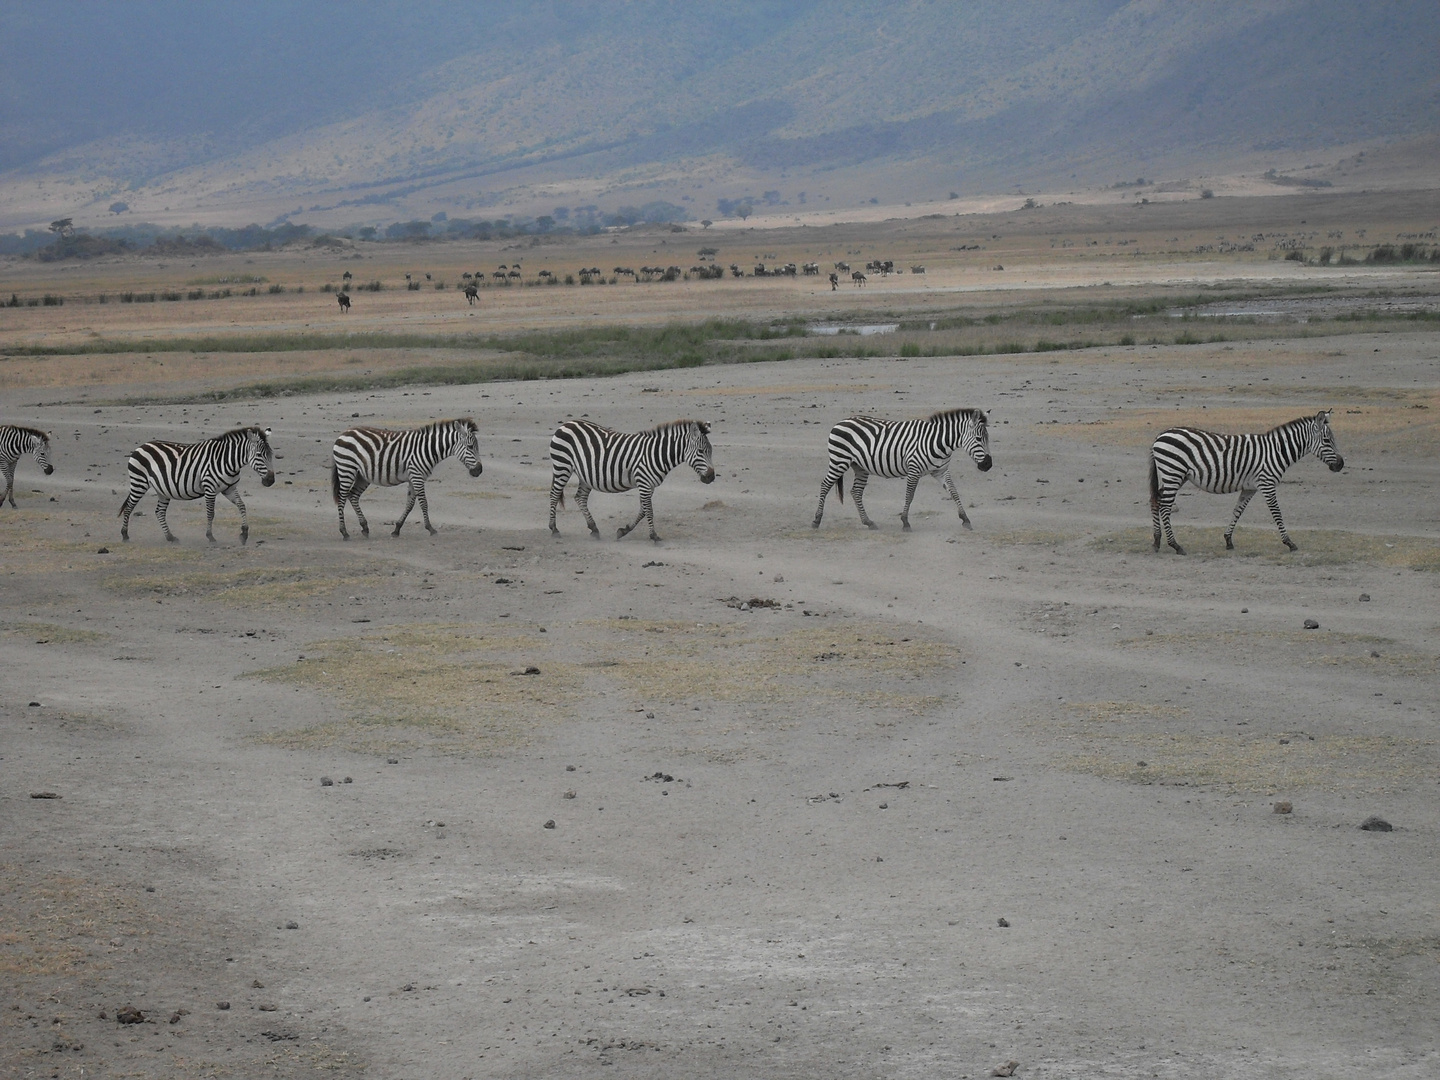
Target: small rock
[[223, 1006], [1364, 598], [1374, 654], [884, 806], [34, 704], [392, 761], [1311, 624], [1376, 824], [1004, 922], [569, 768], [1244, 611], [106, 551], [348, 780], [175, 1018], [103, 1015], [649, 716], [129, 1015], [550, 824], [1282, 808], [268, 1007], [44, 795], [257, 985], [568, 795], [325, 781], [779, 579], [1008, 1069], [292, 925]]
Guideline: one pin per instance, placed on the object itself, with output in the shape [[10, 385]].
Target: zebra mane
[[673, 425], [464, 421], [246, 430], [945, 413], [41, 435], [1298, 422]]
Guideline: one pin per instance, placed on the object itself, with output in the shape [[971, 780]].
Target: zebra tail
[[1154, 486], [335, 483]]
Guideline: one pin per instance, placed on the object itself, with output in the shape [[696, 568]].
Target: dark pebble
[[550, 824], [223, 1006], [1004, 922], [44, 795], [175, 1018], [1364, 598], [348, 780], [257, 985], [884, 806], [267, 1007], [325, 781], [1282, 808], [129, 1015], [532, 670], [1376, 824], [392, 761], [569, 768], [1311, 624], [292, 925], [103, 551], [34, 704]]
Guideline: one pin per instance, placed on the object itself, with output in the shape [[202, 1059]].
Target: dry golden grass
[[249, 587], [60, 925], [52, 633], [1027, 537], [1318, 547]]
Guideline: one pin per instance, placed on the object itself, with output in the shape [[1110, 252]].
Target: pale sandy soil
[[783, 838]]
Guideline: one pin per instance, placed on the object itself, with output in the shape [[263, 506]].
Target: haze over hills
[[373, 113]]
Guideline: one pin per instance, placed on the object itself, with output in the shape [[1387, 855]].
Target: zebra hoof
[[1292, 545], [1229, 544], [620, 534], [169, 539], [344, 536], [432, 532], [904, 526], [968, 527], [654, 539], [1178, 549]]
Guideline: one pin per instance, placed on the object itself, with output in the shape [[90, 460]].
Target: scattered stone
[[392, 761], [1001, 779], [34, 704], [1376, 824], [502, 581], [257, 985], [569, 794], [103, 1015], [1364, 598], [325, 781], [778, 579], [348, 780], [175, 1017], [1311, 624], [1244, 611], [649, 716], [223, 1006], [1143, 764], [550, 824], [268, 1007], [900, 785], [129, 1015], [530, 670], [1282, 808], [662, 777], [103, 551], [569, 768], [884, 806], [149, 888], [292, 925], [1003, 922], [44, 795], [1008, 1069]]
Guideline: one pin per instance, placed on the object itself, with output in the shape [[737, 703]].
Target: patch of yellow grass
[[50, 927], [52, 633], [1023, 537], [1318, 547], [1415, 665], [253, 587]]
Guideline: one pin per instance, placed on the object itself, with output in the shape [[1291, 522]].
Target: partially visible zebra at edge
[[1221, 464], [15, 443], [194, 470], [908, 448], [602, 459], [363, 456]]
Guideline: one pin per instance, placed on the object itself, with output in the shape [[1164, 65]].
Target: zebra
[[191, 470], [1224, 463], [908, 448], [363, 456], [15, 443], [602, 459]]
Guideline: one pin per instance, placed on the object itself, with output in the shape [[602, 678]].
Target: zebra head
[[261, 457], [1324, 442], [976, 441], [697, 450], [40, 447], [468, 446]]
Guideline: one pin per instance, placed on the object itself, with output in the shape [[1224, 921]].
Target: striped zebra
[[15, 443], [614, 461], [1225, 463], [363, 456], [191, 470], [908, 448]]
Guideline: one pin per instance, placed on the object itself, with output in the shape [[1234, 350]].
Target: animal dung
[[550, 824]]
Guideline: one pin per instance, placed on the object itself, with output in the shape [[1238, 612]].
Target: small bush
[[369, 286], [1127, 339], [412, 286], [195, 294], [1206, 193], [439, 286], [1326, 254], [275, 290], [910, 348], [50, 300], [1295, 256], [170, 295], [327, 288]]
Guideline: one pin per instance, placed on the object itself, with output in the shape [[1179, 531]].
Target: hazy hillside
[[374, 112]]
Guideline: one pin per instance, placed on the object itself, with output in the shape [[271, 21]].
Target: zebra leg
[[857, 496], [582, 500], [409, 505], [1246, 494], [1164, 505], [9, 485], [233, 494], [425, 510], [132, 500], [911, 483], [355, 492], [1274, 503], [557, 493], [831, 479], [949, 483], [162, 504], [624, 530], [210, 516]]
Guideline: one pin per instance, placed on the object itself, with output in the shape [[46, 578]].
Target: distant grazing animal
[[472, 293], [343, 299], [365, 455], [834, 281], [842, 267], [858, 277], [1225, 463], [917, 269], [499, 275], [193, 470], [908, 448], [613, 461], [811, 268], [15, 443]]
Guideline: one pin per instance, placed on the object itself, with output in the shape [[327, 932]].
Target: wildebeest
[[472, 293], [858, 277], [343, 299], [917, 269], [834, 281], [811, 268]]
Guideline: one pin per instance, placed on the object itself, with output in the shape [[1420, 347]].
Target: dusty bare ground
[[787, 841]]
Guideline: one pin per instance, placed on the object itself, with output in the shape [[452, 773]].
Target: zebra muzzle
[[477, 470], [984, 463], [708, 476], [268, 480], [1337, 464], [49, 469]]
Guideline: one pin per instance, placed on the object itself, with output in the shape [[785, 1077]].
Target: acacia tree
[[63, 226]]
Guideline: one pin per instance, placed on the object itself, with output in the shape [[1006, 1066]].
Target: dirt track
[[790, 833]]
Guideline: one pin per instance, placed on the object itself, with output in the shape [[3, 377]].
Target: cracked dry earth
[[754, 801]]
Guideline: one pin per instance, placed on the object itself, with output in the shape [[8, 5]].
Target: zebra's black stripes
[[908, 448], [15, 443], [1224, 463], [614, 461], [192, 470], [365, 456]]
